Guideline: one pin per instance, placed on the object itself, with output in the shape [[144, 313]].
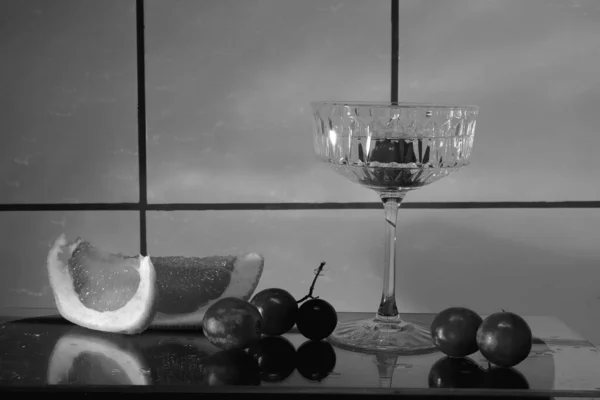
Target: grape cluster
[[232, 323], [315, 318], [249, 334], [503, 338]]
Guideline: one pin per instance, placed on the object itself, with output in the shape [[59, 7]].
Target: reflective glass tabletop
[[41, 351]]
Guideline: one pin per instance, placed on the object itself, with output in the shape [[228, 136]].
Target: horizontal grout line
[[367, 205], [292, 206], [71, 207]]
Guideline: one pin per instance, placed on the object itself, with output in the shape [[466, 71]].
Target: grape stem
[[312, 286]]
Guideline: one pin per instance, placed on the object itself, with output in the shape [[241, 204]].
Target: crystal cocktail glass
[[391, 148]]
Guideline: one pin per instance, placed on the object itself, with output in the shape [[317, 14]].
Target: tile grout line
[[395, 50], [141, 115]]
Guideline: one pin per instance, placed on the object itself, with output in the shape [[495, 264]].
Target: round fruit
[[84, 359], [458, 373], [454, 331], [187, 286], [276, 357], [99, 290], [316, 360], [316, 319], [505, 378], [504, 339], [278, 309], [231, 367], [232, 323]]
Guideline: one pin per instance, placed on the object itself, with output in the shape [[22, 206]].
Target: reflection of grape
[[505, 378], [449, 372], [231, 367], [316, 360], [276, 358]]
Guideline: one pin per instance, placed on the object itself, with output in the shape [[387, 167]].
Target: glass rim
[[395, 104]]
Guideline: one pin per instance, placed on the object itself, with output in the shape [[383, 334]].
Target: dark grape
[[504, 339], [316, 360], [316, 319], [232, 323], [278, 309], [454, 331]]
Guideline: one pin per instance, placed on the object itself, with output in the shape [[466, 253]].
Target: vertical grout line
[[141, 98], [395, 49]]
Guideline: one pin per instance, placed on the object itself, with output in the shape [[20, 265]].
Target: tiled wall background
[[228, 86]]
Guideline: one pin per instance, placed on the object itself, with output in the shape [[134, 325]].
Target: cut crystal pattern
[[390, 148]]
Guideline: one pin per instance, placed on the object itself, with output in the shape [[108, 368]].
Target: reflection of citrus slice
[[175, 357], [90, 360], [99, 290], [187, 286]]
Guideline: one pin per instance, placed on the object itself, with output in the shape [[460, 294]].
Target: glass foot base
[[390, 337]]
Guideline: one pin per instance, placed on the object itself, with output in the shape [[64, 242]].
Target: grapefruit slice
[[99, 290], [83, 359], [187, 286]]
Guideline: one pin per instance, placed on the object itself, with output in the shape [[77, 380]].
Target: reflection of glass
[[391, 148], [386, 365]]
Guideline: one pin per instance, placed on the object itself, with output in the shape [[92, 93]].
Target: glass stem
[[388, 310]]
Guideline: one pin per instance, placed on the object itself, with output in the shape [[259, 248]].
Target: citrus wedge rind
[[133, 318]]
